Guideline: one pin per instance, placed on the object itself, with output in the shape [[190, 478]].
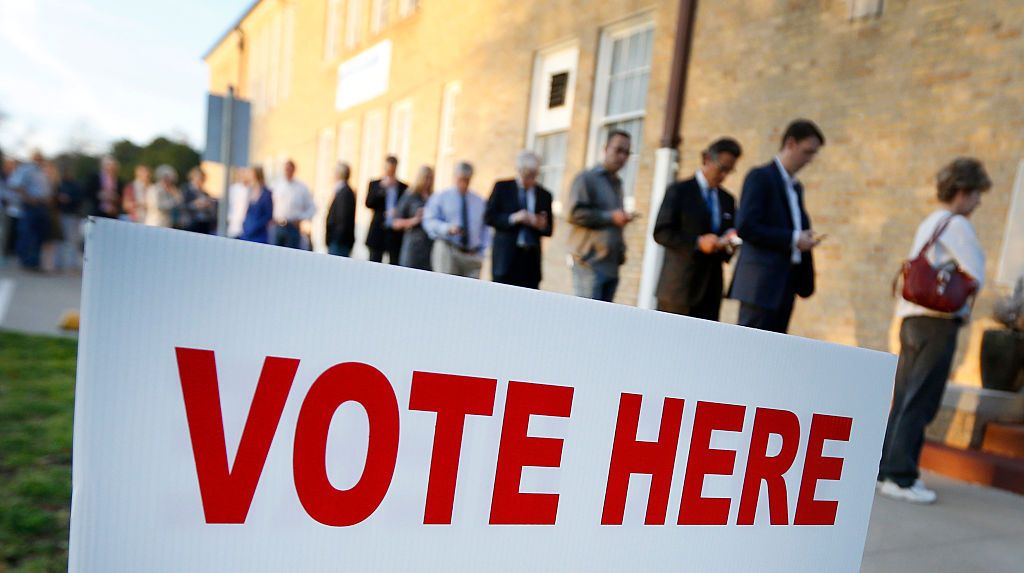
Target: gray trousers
[[449, 260]]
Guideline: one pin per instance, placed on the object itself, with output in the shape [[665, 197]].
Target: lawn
[[37, 396]]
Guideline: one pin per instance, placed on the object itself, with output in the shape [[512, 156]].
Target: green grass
[[37, 396]]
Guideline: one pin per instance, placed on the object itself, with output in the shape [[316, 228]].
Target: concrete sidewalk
[[970, 529]]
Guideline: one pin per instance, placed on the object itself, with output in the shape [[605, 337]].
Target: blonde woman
[[416, 245]]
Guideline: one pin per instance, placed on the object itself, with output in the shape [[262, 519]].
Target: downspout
[[666, 158]]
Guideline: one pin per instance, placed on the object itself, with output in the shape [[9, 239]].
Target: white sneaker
[[916, 493]]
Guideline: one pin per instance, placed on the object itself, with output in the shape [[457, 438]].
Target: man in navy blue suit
[[775, 263]]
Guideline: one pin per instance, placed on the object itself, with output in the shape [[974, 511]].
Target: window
[[865, 8], [620, 95], [559, 84], [400, 135], [331, 32], [287, 50], [407, 7], [446, 139], [379, 15], [347, 142], [1011, 261], [372, 152], [551, 101], [323, 186], [354, 23], [274, 62], [552, 150]]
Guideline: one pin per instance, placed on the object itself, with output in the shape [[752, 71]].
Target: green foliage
[[158, 152], [164, 151], [37, 390]]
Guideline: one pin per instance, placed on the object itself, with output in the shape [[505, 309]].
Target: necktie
[[527, 236], [711, 196], [465, 221]]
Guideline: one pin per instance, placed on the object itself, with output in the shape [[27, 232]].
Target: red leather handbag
[[943, 289]]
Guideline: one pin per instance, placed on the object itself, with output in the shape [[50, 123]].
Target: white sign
[[242, 407], [363, 77]]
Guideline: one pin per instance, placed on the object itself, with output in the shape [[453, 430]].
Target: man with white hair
[[519, 209], [454, 219]]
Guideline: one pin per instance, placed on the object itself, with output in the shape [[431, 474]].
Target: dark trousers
[[10, 245], [33, 228], [590, 283], [709, 306], [770, 319], [524, 269], [393, 250], [287, 236], [339, 249], [927, 345]]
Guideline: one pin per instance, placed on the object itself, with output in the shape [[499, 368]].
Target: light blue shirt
[[30, 177], [711, 198], [444, 209], [390, 201]]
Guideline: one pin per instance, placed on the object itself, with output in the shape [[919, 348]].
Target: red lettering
[[453, 398], [630, 456], [810, 511], [761, 467], [694, 508], [508, 505], [227, 492], [366, 385]]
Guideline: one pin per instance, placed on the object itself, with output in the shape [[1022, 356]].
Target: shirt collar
[[702, 181], [786, 178]]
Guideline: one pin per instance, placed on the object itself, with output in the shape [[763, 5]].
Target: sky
[[83, 73]]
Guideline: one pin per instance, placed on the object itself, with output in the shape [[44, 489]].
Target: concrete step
[[1004, 439], [967, 410], [975, 466]]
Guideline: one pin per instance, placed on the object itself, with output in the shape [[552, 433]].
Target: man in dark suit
[[520, 211], [775, 263], [382, 197], [341, 219], [103, 190], [696, 226]]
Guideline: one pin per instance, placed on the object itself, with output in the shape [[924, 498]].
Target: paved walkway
[[970, 529]]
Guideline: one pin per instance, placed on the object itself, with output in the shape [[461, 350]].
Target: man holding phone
[[776, 263]]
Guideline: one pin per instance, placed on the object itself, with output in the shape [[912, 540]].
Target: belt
[[471, 250]]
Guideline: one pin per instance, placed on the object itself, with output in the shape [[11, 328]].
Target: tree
[[163, 151], [127, 154]]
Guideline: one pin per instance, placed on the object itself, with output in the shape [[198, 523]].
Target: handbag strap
[[941, 228]]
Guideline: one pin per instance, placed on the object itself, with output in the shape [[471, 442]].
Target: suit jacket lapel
[[780, 187]]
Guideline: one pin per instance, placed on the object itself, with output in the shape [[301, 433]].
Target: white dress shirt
[[957, 244], [292, 201], [794, 210]]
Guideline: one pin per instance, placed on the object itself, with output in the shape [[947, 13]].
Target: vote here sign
[[249, 408]]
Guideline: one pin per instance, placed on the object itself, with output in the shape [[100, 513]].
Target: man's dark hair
[[724, 145], [963, 174], [800, 130], [391, 160], [614, 132]]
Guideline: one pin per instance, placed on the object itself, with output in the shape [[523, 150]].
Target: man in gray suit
[[597, 218]]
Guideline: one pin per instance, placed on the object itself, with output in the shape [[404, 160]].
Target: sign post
[[236, 426]]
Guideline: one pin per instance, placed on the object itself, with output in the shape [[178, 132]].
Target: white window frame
[[860, 9], [323, 186], [332, 33], [287, 49], [348, 142], [379, 15], [1011, 259], [407, 8], [371, 148], [400, 135], [446, 134], [274, 61], [598, 119], [354, 23]]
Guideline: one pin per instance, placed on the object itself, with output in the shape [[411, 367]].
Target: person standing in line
[[293, 207], [416, 244], [260, 210], [341, 218], [776, 263], [696, 225], [30, 184], [454, 219], [519, 209], [382, 196], [238, 200], [134, 196], [164, 201], [10, 210], [200, 207], [69, 204], [928, 337], [103, 191], [597, 217]]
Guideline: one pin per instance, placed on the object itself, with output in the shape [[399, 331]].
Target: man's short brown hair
[[964, 174]]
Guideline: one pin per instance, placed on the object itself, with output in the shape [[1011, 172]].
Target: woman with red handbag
[[946, 270]]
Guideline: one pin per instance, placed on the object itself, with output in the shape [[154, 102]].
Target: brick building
[[899, 88]]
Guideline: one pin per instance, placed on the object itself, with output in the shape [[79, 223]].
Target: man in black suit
[[341, 219], [103, 190], [775, 263], [696, 226], [382, 197], [520, 211]]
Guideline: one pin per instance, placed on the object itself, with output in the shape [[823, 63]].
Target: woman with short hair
[[927, 336]]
